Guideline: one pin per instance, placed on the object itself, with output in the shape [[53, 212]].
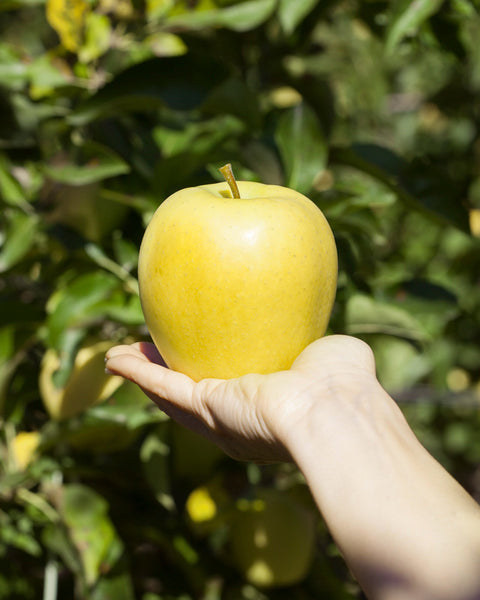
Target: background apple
[[233, 285], [272, 539], [86, 385]]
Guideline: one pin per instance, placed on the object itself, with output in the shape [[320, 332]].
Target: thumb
[[337, 351]]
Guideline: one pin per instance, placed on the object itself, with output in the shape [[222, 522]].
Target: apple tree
[[106, 108]]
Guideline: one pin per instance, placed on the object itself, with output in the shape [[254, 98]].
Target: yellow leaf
[[67, 17]]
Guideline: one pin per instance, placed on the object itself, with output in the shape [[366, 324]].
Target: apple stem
[[227, 172]]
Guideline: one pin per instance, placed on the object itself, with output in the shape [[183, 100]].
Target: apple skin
[[231, 286]]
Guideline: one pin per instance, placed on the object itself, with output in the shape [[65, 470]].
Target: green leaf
[[99, 163], [239, 17], [18, 239], [85, 514], [127, 311], [292, 14], [364, 314], [7, 361], [98, 34], [246, 15], [302, 146], [117, 586], [57, 540], [399, 364], [11, 191], [13, 72], [109, 427], [96, 253], [408, 16], [129, 407], [76, 304], [45, 77], [18, 533]]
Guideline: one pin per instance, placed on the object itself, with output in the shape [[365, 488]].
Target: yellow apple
[[273, 539], [236, 278], [208, 508], [87, 384]]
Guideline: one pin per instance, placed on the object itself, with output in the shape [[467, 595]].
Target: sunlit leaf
[[239, 17], [408, 16], [302, 145], [11, 191], [76, 304], [98, 34], [156, 9], [399, 363], [18, 238], [292, 13], [46, 74], [115, 586], [367, 315], [7, 360], [13, 72]]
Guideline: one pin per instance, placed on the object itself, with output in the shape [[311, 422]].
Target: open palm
[[248, 417]]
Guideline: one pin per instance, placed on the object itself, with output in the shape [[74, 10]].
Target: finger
[[150, 352], [145, 349], [171, 391], [336, 350], [133, 363]]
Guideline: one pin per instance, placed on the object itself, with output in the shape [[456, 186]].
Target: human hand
[[251, 417], [404, 525]]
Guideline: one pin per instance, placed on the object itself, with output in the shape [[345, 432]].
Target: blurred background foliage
[[106, 107]]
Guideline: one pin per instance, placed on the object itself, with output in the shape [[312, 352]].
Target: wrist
[[336, 408]]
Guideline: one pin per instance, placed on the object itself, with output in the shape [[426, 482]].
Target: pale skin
[[406, 528]]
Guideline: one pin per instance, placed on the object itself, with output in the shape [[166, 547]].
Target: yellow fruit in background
[[273, 539], [24, 447], [458, 379], [474, 220], [234, 285], [87, 384], [208, 507], [201, 505]]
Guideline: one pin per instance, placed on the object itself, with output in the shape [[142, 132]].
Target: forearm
[[406, 528]]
